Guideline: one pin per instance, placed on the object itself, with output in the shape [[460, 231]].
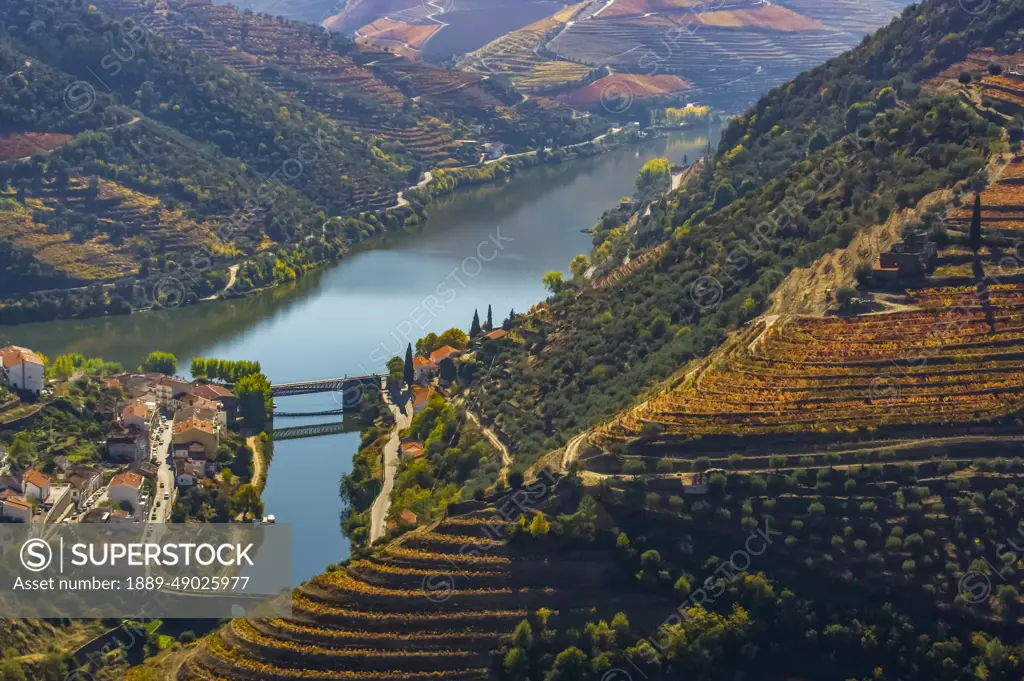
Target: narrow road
[[506, 458], [379, 510], [44, 152], [259, 475], [503, 157], [28, 65], [232, 276], [427, 178], [161, 456], [572, 451]]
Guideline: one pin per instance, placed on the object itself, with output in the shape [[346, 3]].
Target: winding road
[[379, 510], [232, 276], [428, 176], [506, 458]]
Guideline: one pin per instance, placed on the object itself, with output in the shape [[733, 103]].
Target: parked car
[[167, 495]]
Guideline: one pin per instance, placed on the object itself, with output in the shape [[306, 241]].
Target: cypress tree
[[474, 328], [508, 322], [409, 374], [490, 319], [974, 236]]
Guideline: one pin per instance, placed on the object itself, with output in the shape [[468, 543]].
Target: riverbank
[[164, 291], [389, 466], [352, 317], [259, 462]]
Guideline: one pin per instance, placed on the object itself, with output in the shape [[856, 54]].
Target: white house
[[35, 485], [125, 487], [139, 414], [197, 430], [422, 368], [23, 369]]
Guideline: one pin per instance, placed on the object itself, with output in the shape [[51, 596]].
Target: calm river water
[[488, 245]]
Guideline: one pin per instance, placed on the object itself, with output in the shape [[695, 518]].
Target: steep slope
[[833, 152], [729, 51], [146, 151], [434, 604], [863, 532]]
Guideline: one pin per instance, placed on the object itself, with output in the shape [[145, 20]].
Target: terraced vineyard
[[856, 18], [1006, 93], [331, 81], [428, 144], [432, 605], [303, 48], [519, 56], [606, 90], [723, 64], [424, 81], [399, 37], [730, 54], [1002, 205], [922, 529], [957, 361], [116, 210]]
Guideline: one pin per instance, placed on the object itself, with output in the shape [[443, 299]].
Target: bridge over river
[[350, 390], [350, 387]]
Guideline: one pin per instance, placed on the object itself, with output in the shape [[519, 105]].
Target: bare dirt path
[[259, 465], [232, 277], [506, 458]]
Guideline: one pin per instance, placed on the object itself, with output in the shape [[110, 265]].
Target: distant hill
[[812, 165], [728, 52], [145, 148]]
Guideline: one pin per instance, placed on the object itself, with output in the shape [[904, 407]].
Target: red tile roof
[[137, 408], [211, 391], [496, 334], [444, 351], [194, 424], [413, 449], [13, 355], [35, 477], [421, 361], [127, 478], [421, 394], [18, 502]]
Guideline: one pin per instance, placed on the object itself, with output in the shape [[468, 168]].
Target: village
[[162, 436]]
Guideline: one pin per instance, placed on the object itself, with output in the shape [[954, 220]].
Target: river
[[489, 245]]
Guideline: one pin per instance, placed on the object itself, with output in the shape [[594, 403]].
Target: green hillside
[[747, 492], [838, 149], [203, 138]]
